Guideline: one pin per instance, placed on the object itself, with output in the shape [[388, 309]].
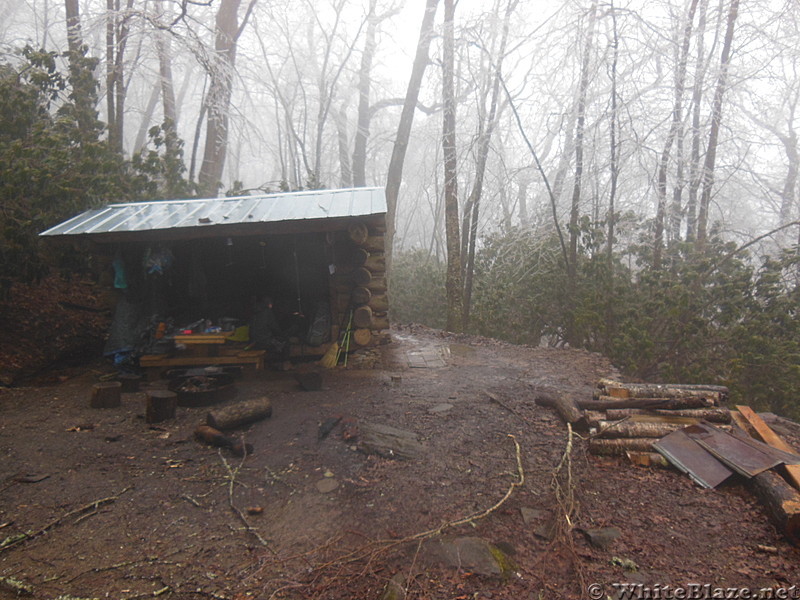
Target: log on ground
[[606, 403], [712, 415], [619, 446], [566, 407], [240, 413], [635, 429], [781, 500]]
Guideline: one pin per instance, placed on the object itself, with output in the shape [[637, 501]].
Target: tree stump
[[106, 395], [161, 406]]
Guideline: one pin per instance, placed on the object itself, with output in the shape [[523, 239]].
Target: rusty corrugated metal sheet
[[268, 208], [691, 458]]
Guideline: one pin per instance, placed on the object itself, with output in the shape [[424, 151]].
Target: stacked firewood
[[360, 282], [626, 418]]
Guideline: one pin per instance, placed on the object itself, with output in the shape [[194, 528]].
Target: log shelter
[[316, 258]]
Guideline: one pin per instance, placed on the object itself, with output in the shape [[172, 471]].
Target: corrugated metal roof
[[268, 208]]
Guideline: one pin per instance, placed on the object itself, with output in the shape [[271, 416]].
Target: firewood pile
[[689, 427]]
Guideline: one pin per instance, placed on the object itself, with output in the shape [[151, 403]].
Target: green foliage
[[709, 316], [161, 169], [417, 289], [55, 163]]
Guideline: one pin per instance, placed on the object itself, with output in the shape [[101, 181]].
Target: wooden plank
[[158, 360], [769, 437]]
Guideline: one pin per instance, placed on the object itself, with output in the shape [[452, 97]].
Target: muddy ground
[[174, 519]]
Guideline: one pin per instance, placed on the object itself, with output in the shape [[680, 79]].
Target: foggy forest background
[[620, 177]]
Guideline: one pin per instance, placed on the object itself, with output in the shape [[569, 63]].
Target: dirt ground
[[173, 518]]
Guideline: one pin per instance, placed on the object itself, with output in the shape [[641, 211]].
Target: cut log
[[712, 415], [781, 500], [593, 417], [646, 459], [769, 437], [362, 337], [376, 263], [635, 429], [376, 284], [566, 407], [362, 317], [362, 277], [716, 394], [214, 437], [619, 446], [161, 406], [379, 303], [106, 395], [361, 295], [240, 413], [380, 322], [374, 243], [357, 257], [606, 403], [357, 232]]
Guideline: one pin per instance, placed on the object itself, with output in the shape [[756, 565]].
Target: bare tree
[[221, 70], [395, 174], [453, 284], [716, 120], [485, 129], [677, 120]]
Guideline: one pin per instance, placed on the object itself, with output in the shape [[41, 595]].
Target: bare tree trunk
[[716, 119], [453, 284], [695, 172], [677, 118], [218, 100], [364, 114], [83, 84], [612, 196], [147, 117], [480, 168], [395, 174], [345, 169], [165, 72], [572, 264]]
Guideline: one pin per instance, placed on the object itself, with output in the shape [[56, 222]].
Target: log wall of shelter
[[359, 282]]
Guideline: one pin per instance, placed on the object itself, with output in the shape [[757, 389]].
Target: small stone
[[532, 514], [328, 474], [327, 485], [602, 537], [440, 408]]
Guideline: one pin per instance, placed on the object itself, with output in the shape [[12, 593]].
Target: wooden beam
[[769, 437]]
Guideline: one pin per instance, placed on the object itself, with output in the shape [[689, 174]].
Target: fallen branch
[[380, 546], [92, 506], [231, 483]]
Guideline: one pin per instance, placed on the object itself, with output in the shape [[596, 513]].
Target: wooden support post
[[161, 406], [106, 395]]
